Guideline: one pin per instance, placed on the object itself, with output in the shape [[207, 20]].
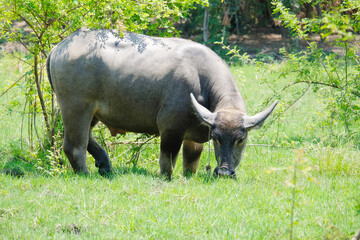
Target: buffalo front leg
[[191, 156], [169, 149], [101, 157]]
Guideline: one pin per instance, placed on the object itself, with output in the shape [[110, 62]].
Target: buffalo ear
[[256, 121], [202, 113]]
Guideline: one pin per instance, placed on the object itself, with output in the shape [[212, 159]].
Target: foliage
[[48, 22], [334, 75], [237, 16]]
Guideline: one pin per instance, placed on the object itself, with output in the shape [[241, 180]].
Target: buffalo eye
[[239, 141], [216, 140]]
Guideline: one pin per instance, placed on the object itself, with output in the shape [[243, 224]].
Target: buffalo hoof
[[105, 170]]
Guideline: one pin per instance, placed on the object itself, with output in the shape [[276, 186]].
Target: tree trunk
[[206, 24], [40, 95], [265, 13], [319, 15]]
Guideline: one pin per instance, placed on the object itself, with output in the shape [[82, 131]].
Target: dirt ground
[[266, 41]]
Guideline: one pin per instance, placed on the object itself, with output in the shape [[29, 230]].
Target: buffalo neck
[[223, 91]]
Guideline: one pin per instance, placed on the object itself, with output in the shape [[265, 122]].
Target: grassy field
[[264, 202]]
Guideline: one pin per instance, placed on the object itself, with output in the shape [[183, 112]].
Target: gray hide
[[171, 87]]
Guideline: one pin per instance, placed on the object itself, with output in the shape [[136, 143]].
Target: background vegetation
[[300, 176]]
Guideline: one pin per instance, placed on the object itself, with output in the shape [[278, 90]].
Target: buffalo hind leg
[[101, 157], [76, 155], [76, 141], [191, 156], [169, 149]]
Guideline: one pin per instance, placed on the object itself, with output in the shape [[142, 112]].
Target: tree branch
[[354, 92], [291, 104], [12, 85], [41, 98]]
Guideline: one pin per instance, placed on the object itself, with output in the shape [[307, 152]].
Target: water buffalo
[[176, 88]]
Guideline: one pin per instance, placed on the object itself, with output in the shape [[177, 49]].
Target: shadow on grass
[[16, 164], [14, 161], [124, 170], [201, 176]]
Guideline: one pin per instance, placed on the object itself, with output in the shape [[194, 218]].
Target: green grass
[[140, 205], [10, 103], [38, 202]]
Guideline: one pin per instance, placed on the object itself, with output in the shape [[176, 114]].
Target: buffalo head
[[229, 131]]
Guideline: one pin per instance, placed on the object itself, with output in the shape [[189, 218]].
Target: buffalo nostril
[[224, 172]]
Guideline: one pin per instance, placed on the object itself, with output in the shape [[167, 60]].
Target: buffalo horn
[[256, 121], [203, 114]]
